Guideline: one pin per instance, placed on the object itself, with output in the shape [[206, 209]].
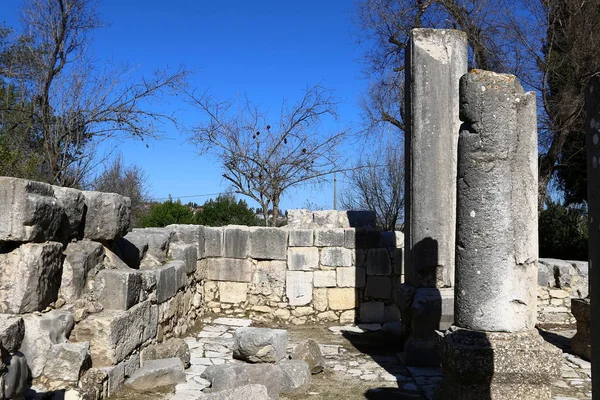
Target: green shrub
[[225, 210], [563, 232], [167, 213]]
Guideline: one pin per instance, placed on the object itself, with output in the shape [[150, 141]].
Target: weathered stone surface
[[107, 216], [118, 289], [571, 276], [229, 269], [157, 373], [303, 258], [170, 348], [295, 377], [233, 292], [435, 60], [65, 363], [74, 208], [268, 243], [332, 237], [378, 287], [260, 345], [299, 287], [31, 277], [425, 313], [113, 261], [213, 242], [378, 262], [336, 257], [299, 218], [169, 279], [324, 279], [581, 343], [12, 332], [310, 352], [190, 234], [350, 277], [133, 249], [158, 240], [83, 258], [269, 278], [236, 241], [342, 298], [41, 333], [113, 335], [300, 237], [372, 311], [231, 376], [16, 377], [250, 391], [497, 198], [499, 365], [187, 253], [28, 211]]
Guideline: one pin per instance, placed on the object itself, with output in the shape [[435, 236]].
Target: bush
[[167, 213], [563, 232], [225, 211]]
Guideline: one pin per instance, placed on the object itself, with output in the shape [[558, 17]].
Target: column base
[[581, 344], [497, 365]]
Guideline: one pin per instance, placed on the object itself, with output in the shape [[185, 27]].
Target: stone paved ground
[[361, 364]]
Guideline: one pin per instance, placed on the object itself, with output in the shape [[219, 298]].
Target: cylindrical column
[[497, 205]]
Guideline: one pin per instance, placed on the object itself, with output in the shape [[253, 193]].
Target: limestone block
[[233, 292], [303, 258], [250, 391], [300, 237], [260, 345], [133, 248], [169, 279], [73, 204], [300, 218], [269, 279], [41, 333], [113, 335], [12, 332], [378, 262], [348, 317], [326, 218], [236, 241], [107, 216], [350, 277], [158, 240], [319, 300], [229, 269], [342, 298], [187, 253], [581, 344], [213, 242], [118, 289], [83, 258], [268, 243], [299, 287], [16, 377], [295, 377], [361, 219], [397, 261], [336, 257], [350, 238], [113, 261], [568, 275], [367, 238], [324, 279], [372, 312], [28, 211], [310, 352], [190, 234], [157, 373], [392, 313], [65, 363], [378, 287], [234, 377], [31, 276], [329, 237]]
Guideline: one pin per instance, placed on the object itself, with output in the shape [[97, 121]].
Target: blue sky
[[265, 49]]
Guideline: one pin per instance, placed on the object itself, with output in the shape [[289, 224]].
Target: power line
[[188, 196]]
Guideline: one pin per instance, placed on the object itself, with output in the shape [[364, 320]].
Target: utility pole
[[334, 191]]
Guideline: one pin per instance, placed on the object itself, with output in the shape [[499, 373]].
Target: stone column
[[435, 61], [494, 351]]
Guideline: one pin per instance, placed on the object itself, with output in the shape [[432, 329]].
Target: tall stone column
[[494, 351], [435, 61]]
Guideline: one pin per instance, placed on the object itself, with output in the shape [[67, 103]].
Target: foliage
[[130, 181], [167, 213], [262, 161], [225, 210], [563, 232]]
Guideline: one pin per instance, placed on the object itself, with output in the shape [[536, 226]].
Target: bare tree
[[76, 106], [377, 184], [262, 161]]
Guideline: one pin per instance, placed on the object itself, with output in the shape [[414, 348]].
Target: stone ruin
[[88, 306]]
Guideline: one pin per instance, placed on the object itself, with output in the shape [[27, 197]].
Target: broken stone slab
[[65, 363], [107, 217], [310, 352], [14, 381], [188, 253], [73, 204], [133, 249], [83, 258], [169, 279], [231, 376], [158, 240], [113, 261], [41, 333], [268, 243], [189, 234], [29, 212], [170, 348], [12, 332], [157, 373], [118, 289], [260, 345], [239, 322], [252, 391], [31, 276], [114, 334], [295, 377]]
